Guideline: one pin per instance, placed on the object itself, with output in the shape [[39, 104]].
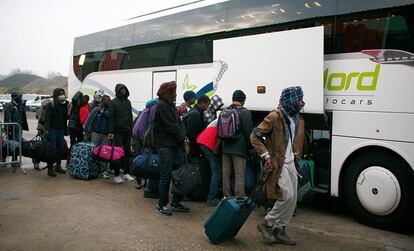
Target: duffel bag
[[108, 153], [186, 178], [146, 165], [81, 164]]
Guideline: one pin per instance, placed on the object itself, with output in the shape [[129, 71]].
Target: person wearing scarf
[[280, 151]]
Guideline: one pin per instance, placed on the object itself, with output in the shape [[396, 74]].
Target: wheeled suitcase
[[81, 164], [227, 218], [231, 213]]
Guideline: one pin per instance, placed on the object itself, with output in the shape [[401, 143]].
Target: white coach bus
[[358, 87]]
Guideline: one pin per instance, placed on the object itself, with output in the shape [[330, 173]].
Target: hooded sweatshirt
[[121, 112]]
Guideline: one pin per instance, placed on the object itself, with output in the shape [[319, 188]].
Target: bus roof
[[206, 17]]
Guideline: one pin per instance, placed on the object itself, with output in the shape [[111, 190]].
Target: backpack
[[144, 121], [229, 123]]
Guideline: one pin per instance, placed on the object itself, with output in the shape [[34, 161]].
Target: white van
[[33, 104]]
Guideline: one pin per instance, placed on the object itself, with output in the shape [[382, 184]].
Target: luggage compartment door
[[159, 77]]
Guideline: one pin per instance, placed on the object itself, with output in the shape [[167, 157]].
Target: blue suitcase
[[81, 164], [231, 213], [227, 218]]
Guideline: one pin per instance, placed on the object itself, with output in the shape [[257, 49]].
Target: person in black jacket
[[167, 135], [236, 151], [74, 126], [194, 123], [15, 112], [56, 116], [120, 128]]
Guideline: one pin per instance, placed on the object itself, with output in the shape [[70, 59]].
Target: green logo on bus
[[345, 80]]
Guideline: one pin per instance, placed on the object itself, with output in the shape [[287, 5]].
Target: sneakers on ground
[[105, 175], [151, 195], [163, 210], [128, 177], [266, 232], [118, 180], [213, 202], [180, 207], [281, 237]]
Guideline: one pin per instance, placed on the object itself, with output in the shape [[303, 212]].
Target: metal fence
[[11, 146]]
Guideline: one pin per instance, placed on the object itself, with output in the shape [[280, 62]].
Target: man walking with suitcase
[[280, 152]]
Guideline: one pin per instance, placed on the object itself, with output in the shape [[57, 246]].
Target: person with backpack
[[120, 129], [144, 121], [56, 117], [234, 127], [189, 100], [167, 135], [97, 124], [284, 131], [194, 123]]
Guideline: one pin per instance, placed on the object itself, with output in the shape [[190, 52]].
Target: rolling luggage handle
[[261, 180]]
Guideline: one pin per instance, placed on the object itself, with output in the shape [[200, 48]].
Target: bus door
[[159, 77]]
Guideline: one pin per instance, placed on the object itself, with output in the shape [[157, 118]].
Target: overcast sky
[[37, 35]]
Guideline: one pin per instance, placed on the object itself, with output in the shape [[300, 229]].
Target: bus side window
[[389, 30]]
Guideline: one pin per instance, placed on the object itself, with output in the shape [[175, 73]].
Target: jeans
[[171, 158], [215, 172], [56, 137]]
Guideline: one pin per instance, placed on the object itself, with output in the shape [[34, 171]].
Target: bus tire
[[371, 175]]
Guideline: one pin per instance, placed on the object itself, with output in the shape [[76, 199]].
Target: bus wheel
[[379, 190]]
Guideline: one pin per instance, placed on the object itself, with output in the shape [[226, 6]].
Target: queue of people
[[191, 130]]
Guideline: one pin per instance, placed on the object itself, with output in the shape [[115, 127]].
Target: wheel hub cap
[[378, 190]]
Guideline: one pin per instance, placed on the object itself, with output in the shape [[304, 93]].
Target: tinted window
[[379, 30], [90, 43], [147, 56], [91, 63], [156, 30], [193, 52], [247, 14], [120, 37], [206, 20]]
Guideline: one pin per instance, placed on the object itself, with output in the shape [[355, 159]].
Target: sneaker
[[151, 195], [213, 202], [163, 210], [266, 232], [118, 180], [281, 237], [128, 177], [180, 207], [105, 175]]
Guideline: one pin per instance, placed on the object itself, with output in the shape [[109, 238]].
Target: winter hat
[[238, 95], [166, 87], [16, 95], [189, 95], [98, 95]]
